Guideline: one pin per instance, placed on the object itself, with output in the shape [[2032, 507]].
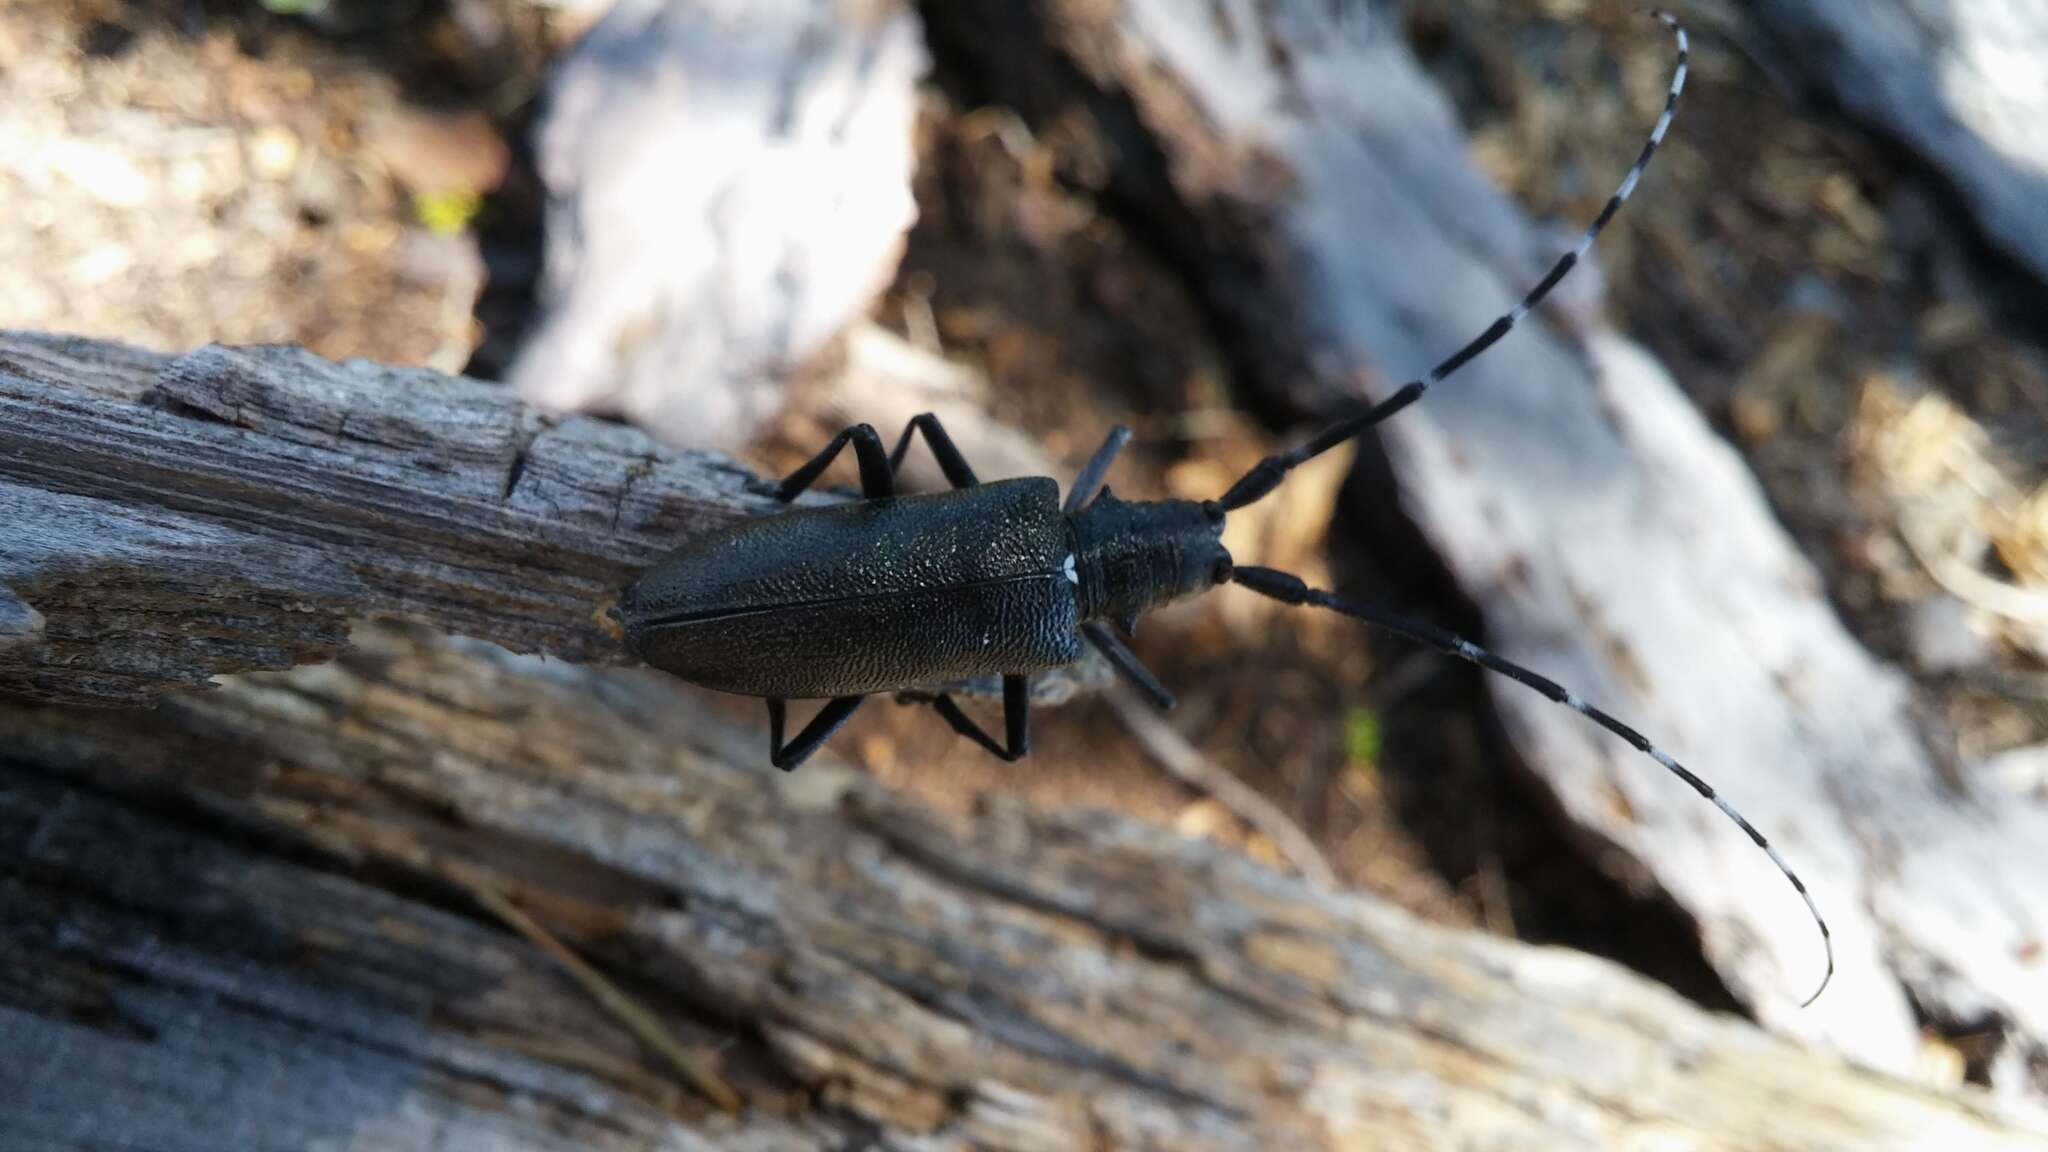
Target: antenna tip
[[1824, 981], [1828, 942]]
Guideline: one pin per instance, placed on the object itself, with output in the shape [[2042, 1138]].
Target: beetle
[[896, 593]]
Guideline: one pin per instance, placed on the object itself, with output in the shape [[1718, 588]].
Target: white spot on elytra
[[1068, 570]]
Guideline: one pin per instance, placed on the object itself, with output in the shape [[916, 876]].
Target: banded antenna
[[1267, 474]]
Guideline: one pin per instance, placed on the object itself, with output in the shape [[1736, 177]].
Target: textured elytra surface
[[880, 642], [994, 531], [872, 596]]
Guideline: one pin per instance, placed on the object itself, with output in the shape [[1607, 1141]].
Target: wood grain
[[250, 911]]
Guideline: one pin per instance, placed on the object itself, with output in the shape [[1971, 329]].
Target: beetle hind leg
[[958, 472], [1016, 720], [829, 719], [877, 479]]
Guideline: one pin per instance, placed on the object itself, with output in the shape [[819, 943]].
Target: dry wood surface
[[275, 915], [235, 509]]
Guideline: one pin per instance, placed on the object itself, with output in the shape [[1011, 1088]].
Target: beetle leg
[[951, 462], [1016, 720], [1089, 482], [828, 720], [1126, 663], [877, 479]]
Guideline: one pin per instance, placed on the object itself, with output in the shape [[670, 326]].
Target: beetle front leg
[[1016, 720], [877, 479], [958, 472], [829, 719], [1089, 482]]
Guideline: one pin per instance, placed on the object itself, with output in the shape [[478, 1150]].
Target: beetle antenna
[[1289, 589], [1268, 473]]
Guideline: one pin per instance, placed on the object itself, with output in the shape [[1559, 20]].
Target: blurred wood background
[[422, 890]]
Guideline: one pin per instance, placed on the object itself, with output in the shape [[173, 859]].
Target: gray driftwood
[[1956, 81], [1299, 165], [263, 917], [729, 187], [171, 519]]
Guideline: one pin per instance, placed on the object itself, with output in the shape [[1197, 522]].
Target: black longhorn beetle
[[900, 593]]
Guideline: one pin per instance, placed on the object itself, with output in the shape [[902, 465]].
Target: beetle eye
[[1221, 574]]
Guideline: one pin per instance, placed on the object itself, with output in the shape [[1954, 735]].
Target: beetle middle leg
[[1016, 720], [877, 479], [829, 719], [958, 472], [1128, 666]]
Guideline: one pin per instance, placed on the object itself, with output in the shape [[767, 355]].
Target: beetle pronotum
[[897, 593]]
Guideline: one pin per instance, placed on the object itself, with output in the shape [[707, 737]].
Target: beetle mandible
[[898, 593]]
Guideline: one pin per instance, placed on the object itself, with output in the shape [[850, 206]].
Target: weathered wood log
[[255, 912], [169, 519], [1955, 81], [235, 509], [1296, 162]]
